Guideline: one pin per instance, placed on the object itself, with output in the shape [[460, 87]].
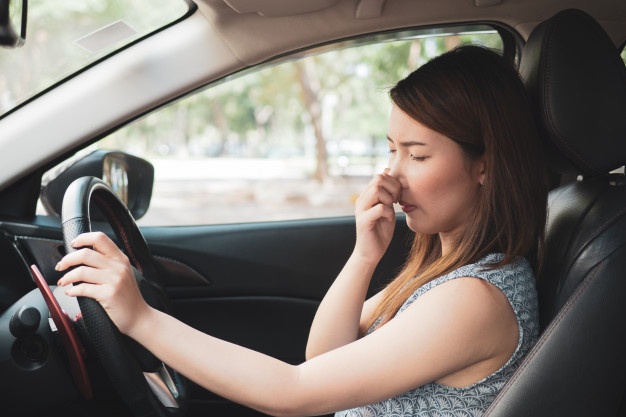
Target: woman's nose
[[394, 168]]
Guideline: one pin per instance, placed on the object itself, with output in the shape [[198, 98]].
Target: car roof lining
[[276, 35]]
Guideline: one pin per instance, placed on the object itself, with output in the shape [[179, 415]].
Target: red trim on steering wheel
[[73, 347]]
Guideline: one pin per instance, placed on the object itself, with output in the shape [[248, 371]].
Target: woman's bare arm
[[340, 313]]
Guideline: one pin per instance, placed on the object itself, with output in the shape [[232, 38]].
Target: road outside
[[216, 191]]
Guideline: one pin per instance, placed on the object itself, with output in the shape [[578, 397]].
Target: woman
[[447, 333]]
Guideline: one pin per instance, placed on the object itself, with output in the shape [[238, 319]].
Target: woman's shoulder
[[488, 268], [515, 279], [518, 269]]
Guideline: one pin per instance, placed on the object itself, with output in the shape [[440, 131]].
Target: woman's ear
[[481, 168]]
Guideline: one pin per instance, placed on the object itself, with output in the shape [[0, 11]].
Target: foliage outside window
[[298, 139]]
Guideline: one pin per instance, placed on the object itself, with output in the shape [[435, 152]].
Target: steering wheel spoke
[[163, 386]]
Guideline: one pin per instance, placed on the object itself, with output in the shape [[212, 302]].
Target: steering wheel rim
[[143, 383]]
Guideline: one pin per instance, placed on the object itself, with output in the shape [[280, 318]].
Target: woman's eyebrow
[[408, 143]]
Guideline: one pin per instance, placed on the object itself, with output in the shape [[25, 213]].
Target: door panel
[[257, 285], [261, 283]]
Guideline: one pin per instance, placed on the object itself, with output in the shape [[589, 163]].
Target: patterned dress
[[517, 282]]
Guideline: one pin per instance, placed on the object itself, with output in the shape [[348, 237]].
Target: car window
[[53, 50], [294, 140]]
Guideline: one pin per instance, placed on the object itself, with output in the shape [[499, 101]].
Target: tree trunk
[[309, 82]]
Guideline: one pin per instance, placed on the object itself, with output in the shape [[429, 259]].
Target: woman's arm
[[341, 312], [338, 317]]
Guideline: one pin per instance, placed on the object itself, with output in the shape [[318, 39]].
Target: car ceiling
[[225, 36], [269, 33]]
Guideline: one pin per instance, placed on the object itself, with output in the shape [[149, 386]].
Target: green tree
[[295, 107]]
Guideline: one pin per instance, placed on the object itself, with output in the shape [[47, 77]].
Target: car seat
[[577, 83]]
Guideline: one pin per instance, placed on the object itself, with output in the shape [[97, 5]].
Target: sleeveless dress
[[517, 282]]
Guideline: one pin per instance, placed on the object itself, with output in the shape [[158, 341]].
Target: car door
[[258, 285]]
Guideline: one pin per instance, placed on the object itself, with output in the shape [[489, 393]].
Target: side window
[[294, 140]]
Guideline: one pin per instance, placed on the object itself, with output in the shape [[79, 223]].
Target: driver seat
[[577, 83]]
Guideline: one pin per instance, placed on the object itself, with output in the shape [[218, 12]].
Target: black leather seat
[[577, 82]]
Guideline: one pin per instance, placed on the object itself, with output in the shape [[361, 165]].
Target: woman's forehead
[[407, 132]]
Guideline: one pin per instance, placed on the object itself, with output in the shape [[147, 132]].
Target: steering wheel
[[144, 383]]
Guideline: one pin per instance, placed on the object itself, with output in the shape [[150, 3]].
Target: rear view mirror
[[13, 22], [131, 179]]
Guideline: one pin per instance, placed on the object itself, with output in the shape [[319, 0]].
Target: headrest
[[577, 83]]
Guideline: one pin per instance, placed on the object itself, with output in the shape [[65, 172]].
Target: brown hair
[[476, 98]]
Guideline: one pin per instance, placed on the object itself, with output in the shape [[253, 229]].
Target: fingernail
[[57, 267]]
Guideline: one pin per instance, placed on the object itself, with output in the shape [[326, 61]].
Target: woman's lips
[[406, 207]]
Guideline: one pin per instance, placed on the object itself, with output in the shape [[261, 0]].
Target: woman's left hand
[[102, 272]]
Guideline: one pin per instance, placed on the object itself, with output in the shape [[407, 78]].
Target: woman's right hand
[[376, 217], [102, 272]]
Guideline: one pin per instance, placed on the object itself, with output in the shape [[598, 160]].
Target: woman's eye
[[392, 151], [418, 158]]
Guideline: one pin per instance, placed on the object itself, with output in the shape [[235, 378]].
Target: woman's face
[[440, 185]]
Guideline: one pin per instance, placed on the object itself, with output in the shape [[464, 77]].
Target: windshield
[[54, 50]]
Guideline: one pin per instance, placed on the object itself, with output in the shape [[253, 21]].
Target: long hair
[[476, 98]]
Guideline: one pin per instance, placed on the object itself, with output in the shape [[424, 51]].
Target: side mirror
[[13, 22], [130, 177]]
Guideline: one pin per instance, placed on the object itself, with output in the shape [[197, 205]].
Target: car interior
[[258, 284], [574, 368]]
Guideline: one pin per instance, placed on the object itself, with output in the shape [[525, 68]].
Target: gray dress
[[517, 282]]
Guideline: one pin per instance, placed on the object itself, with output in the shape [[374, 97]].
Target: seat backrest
[[577, 82]]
